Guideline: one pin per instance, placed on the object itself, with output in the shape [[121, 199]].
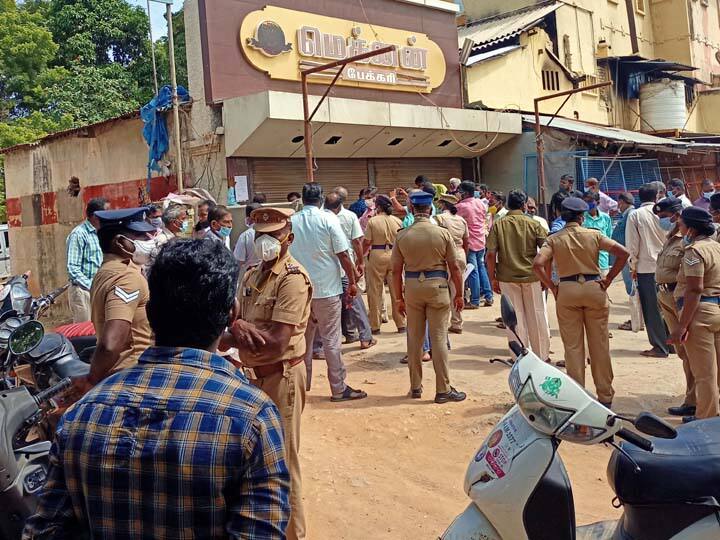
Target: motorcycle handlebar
[[57, 292], [59, 388], [638, 440]]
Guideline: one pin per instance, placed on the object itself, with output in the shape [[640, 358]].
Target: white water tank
[[662, 105]]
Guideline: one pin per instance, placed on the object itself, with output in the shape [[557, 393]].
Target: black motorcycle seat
[[683, 469], [50, 343], [71, 367]]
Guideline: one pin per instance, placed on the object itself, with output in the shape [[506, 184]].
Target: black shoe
[[417, 393], [688, 419], [404, 359], [375, 332], [455, 330], [452, 395], [682, 410], [402, 330], [488, 303]]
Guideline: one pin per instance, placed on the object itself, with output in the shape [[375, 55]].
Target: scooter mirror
[[26, 337], [654, 426], [507, 311]]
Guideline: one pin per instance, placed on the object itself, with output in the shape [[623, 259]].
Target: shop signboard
[[282, 42]]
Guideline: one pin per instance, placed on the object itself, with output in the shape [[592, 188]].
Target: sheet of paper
[[468, 270], [242, 193]]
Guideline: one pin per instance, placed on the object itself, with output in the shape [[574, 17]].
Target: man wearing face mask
[[221, 224], [119, 294], [244, 251], [269, 334], [708, 190], [676, 190], [668, 266]]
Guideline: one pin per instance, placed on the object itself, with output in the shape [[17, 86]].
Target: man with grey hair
[[175, 223], [454, 186]]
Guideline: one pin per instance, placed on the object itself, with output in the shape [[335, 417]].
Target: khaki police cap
[[271, 219], [452, 199]]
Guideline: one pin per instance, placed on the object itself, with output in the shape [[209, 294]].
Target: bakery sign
[[283, 42]]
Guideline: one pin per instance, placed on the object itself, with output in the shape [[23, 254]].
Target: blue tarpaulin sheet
[[155, 131]]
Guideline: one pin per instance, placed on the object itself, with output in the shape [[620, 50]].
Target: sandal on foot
[[367, 344], [349, 394]]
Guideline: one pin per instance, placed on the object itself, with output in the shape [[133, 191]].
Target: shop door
[[278, 177], [392, 173]]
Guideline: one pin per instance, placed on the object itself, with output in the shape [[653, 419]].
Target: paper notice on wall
[[242, 194], [468, 270]]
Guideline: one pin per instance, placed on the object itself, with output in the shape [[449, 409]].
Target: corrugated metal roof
[[619, 135], [486, 32]]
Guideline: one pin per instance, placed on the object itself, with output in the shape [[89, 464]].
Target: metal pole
[[152, 51], [176, 105], [307, 116], [309, 173]]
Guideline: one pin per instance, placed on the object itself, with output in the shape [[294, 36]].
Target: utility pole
[[152, 51], [173, 82]]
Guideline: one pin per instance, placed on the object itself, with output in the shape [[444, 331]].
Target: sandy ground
[[392, 467]]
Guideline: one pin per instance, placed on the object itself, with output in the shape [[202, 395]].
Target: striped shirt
[[179, 446], [84, 255]]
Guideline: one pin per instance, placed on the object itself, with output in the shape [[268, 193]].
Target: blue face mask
[[225, 231], [591, 206], [687, 240], [666, 224]]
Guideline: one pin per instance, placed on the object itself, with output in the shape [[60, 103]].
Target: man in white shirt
[[644, 239], [321, 247], [244, 251], [676, 188], [532, 212], [355, 321], [607, 204]]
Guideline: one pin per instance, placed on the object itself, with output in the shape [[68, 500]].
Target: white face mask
[[267, 248], [143, 250]]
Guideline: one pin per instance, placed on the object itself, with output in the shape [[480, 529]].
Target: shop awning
[[622, 136], [487, 32], [270, 124]]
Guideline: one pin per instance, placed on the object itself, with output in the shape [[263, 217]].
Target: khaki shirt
[[382, 229], [575, 250], [282, 295], [516, 239], [424, 246], [120, 292], [700, 259], [457, 226], [669, 260]]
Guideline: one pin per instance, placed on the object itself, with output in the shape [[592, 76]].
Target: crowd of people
[[205, 350]]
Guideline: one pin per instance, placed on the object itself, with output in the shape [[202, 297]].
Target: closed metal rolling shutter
[[277, 177], [392, 173]]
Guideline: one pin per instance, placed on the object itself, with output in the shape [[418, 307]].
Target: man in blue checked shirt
[[180, 446], [84, 258]]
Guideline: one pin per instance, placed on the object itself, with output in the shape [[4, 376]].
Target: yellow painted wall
[[496, 83]]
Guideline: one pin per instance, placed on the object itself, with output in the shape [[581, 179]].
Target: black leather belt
[[576, 277], [666, 287], [427, 274], [703, 299], [381, 246]]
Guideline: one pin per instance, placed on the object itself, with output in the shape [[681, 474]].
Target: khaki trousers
[[456, 320], [428, 301], [379, 269], [529, 302], [703, 350], [670, 316], [79, 300], [287, 390], [582, 311]]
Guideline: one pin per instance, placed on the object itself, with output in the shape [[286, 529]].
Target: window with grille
[[550, 80], [590, 80], [640, 6]]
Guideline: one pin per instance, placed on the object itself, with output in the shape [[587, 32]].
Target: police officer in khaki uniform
[[380, 235], [270, 336], [458, 228], [698, 300], [424, 253], [581, 301], [119, 294], [668, 266]]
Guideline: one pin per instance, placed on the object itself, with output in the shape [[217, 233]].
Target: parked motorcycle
[[23, 458], [668, 485]]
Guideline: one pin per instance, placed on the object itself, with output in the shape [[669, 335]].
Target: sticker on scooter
[[495, 439], [551, 386], [480, 454]]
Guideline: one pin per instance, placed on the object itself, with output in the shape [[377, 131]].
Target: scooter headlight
[[544, 417], [579, 433]]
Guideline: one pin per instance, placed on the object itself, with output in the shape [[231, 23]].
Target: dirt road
[[391, 467]]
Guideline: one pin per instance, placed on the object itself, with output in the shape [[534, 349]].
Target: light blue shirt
[[319, 238]]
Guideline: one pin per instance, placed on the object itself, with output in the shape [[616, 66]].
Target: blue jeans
[[627, 279], [478, 279]]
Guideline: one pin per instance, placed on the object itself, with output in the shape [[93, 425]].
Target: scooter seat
[[683, 469]]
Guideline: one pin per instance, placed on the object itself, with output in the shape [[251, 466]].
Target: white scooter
[[669, 486]]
